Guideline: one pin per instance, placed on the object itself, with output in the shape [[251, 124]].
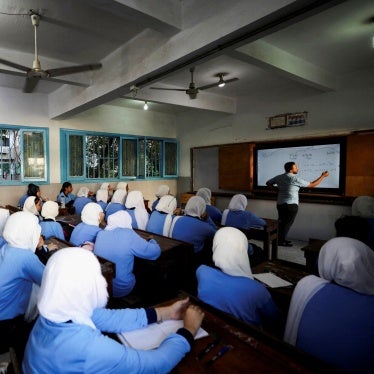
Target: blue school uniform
[[242, 297], [71, 347], [52, 228], [80, 202], [112, 208], [159, 223], [243, 219], [121, 246], [68, 198], [214, 213], [84, 233]]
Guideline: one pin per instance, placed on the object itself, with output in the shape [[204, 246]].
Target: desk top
[[251, 350]]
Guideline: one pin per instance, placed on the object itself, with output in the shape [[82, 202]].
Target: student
[[19, 270], [230, 286], [49, 225], [214, 213], [32, 190], [331, 316], [33, 204], [4, 214], [192, 227], [82, 199], [162, 217], [162, 190], [102, 197], [66, 195], [288, 186], [136, 208], [118, 200], [120, 244], [237, 216], [67, 336], [86, 231]]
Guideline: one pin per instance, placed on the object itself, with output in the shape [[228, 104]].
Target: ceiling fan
[[192, 90], [34, 74]]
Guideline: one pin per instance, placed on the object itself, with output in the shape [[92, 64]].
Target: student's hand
[[204, 216], [173, 311], [192, 319]]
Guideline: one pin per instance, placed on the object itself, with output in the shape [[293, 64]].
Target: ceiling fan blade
[[30, 84], [72, 69], [168, 89], [217, 83], [14, 65]]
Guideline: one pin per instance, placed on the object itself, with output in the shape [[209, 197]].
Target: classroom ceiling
[[298, 47]]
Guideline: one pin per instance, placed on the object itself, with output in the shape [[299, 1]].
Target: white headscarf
[[122, 186], [91, 214], [104, 186], [119, 196], [167, 204], [22, 230], [29, 205], [4, 214], [162, 190], [238, 202], [205, 193], [135, 200], [349, 263], [102, 195], [50, 210], [345, 261], [72, 287], [363, 206], [230, 252], [120, 219], [195, 207], [83, 192]]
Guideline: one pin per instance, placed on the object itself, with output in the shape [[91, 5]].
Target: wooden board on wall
[[236, 167], [360, 164]]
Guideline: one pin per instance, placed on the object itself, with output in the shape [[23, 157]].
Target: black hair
[[65, 185], [288, 166], [32, 189]]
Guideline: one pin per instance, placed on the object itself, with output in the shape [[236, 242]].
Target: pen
[[207, 349], [223, 350]]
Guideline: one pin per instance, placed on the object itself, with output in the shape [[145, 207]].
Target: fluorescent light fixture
[[145, 107], [222, 84]]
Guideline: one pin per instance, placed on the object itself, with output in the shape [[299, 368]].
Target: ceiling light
[[221, 82], [145, 107]]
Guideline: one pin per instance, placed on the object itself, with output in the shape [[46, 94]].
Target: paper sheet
[[272, 280], [152, 336]]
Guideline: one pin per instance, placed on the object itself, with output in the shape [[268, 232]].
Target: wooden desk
[[268, 234], [68, 223], [311, 252], [253, 351], [108, 268], [160, 280]]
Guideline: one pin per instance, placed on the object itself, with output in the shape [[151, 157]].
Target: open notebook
[[271, 280], [152, 336]]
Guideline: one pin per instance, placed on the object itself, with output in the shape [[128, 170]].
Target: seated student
[[82, 199], [363, 206], [214, 213], [49, 225], [102, 197], [4, 214], [161, 218], [67, 336], [19, 270], [331, 316], [236, 214], [230, 286], [192, 226], [33, 204], [32, 190], [86, 231], [162, 190], [354, 227], [119, 243], [45, 251], [136, 208], [118, 200], [66, 196]]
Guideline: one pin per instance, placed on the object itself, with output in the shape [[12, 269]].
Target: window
[[93, 156], [23, 155]]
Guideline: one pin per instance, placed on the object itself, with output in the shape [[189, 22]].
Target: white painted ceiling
[[306, 55]]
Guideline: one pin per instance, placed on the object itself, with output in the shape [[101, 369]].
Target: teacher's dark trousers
[[286, 216]]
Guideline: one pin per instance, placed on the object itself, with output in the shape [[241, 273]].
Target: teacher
[[288, 186]]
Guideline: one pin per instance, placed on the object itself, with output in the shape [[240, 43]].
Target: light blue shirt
[[288, 187]]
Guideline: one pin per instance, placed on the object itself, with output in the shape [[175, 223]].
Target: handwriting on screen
[[311, 160]]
